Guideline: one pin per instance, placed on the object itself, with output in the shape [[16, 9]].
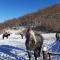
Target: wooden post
[[45, 54]]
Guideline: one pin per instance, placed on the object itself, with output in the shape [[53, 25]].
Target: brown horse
[[33, 43], [6, 35]]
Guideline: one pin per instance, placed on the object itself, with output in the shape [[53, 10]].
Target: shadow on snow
[[7, 50]]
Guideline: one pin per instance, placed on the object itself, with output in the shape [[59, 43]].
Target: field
[[13, 48]]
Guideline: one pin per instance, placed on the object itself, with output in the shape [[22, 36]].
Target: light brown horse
[[34, 43]]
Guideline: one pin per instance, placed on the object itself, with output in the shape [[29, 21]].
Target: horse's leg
[[29, 55], [35, 57], [7, 37], [37, 52], [3, 36], [22, 36]]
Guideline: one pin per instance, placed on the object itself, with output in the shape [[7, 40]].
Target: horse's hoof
[[29, 59]]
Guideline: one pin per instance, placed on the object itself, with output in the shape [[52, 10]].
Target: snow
[[14, 48], [49, 39]]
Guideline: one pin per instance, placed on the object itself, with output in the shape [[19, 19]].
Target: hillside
[[46, 19]]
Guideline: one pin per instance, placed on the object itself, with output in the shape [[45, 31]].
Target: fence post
[[45, 53]]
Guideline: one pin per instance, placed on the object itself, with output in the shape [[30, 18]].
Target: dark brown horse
[[6, 35], [32, 44]]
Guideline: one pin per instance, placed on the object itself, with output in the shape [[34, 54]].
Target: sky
[[10, 9]]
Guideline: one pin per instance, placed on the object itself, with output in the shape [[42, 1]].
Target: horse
[[6, 35], [32, 44], [22, 35], [57, 36]]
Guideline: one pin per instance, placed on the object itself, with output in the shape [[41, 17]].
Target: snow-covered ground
[[13, 48]]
